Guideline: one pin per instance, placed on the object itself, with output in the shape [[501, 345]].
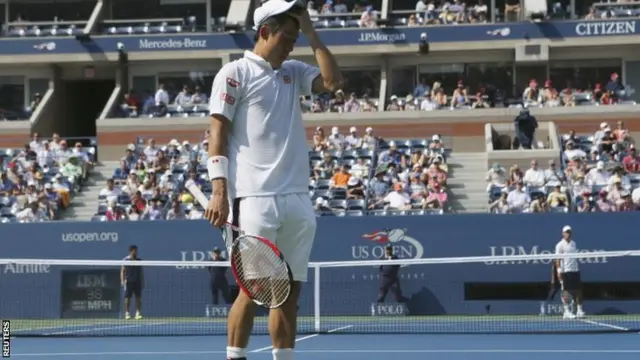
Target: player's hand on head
[[306, 25], [217, 210]]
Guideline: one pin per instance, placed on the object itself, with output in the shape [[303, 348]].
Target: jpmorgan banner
[[34, 291]]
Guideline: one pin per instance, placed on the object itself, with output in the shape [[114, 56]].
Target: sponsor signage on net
[[389, 309], [596, 28]]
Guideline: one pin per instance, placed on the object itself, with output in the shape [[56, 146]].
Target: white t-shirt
[[567, 265], [267, 150], [397, 200]]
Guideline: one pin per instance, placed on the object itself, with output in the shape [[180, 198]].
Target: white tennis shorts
[[289, 221]]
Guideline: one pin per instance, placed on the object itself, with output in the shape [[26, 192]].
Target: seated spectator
[[391, 155], [110, 192], [603, 203], [515, 175], [167, 185], [369, 140], [355, 189], [416, 187], [619, 176], [162, 162], [341, 178], [320, 142], [353, 141], [496, 177], [571, 153], [598, 176], [397, 199], [427, 103], [114, 212], [435, 199], [616, 191], [459, 96], [360, 169], [518, 199], [621, 133], [176, 212], [539, 205], [154, 211], [500, 206], [631, 162], [336, 140], [480, 102], [322, 205], [626, 203], [138, 202], [46, 208], [74, 169], [534, 176], [324, 169], [378, 187], [131, 184], [30, 213], [557, 198], [353, 104], [553, 176]]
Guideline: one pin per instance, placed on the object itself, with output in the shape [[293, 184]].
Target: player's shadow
[[424, 302]]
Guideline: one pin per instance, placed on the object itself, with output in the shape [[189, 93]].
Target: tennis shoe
[[580, 314], [127, 316], [138, 316], [568, 315]]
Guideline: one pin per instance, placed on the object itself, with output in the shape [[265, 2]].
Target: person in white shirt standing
[[569, 274], [258, 163]]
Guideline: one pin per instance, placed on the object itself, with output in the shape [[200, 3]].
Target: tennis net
[[496, 294]]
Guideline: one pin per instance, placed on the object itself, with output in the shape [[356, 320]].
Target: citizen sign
[[535, 250], [593, 28]]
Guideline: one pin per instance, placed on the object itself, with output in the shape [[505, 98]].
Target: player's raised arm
[[222, 108], [330, 77]]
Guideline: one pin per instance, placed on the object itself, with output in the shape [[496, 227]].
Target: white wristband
[[217, 167]]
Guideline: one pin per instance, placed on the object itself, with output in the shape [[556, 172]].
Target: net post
[[316, 297]]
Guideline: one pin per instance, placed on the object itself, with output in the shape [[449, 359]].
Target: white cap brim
[[269, 9]]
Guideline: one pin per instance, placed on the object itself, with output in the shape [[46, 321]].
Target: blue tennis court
[[342, 347], [571, 339]]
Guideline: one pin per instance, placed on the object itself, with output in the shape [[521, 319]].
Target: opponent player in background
[[258, 156], [132, 279], [554, 287], [569, 274]]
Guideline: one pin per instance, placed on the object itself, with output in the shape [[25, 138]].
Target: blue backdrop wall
[[34, 291]]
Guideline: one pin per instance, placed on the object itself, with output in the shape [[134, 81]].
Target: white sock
[[282, 354], [567, 308], [580, 308], [236, 353]]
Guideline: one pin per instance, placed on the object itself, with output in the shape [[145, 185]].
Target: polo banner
[[43, 290]]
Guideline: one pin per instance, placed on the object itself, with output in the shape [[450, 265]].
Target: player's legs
[[127, 300], [256, 216], [137, 293], [295, 240], [397, 291], [384, 289]]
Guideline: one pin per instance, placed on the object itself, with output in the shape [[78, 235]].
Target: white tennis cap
[[269, 9], [567, 228]]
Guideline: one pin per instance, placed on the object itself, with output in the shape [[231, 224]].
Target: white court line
[[70, 332], [352, 351], [597, 323], [303, 338]]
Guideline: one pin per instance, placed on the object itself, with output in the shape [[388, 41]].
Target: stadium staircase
[[85, 204], [466, 181]]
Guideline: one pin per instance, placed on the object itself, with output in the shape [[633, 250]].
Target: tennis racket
[[256, 263]]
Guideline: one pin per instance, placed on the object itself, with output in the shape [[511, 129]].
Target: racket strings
[[261, 271]]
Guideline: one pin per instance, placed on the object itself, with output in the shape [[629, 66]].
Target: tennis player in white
[[258, 156], [569, 274]]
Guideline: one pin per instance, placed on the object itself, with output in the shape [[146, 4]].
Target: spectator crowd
[[39, 180], [597, 173]]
